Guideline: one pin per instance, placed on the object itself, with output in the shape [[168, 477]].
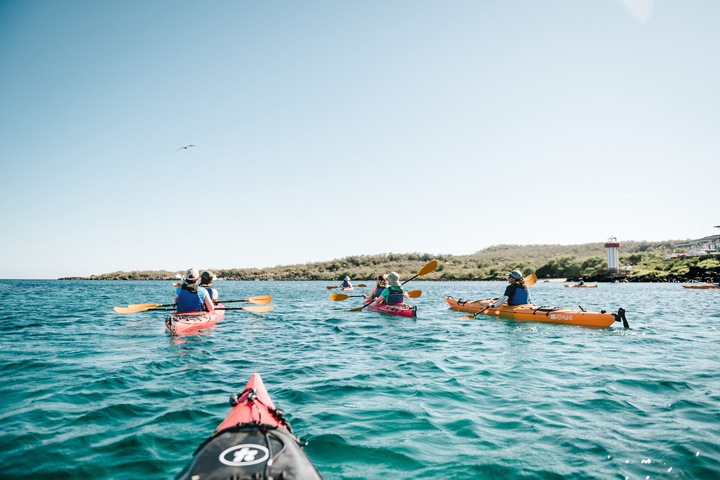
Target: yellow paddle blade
[[126, 310], [145, 305], [414, 293], [338, 297], [362, 285], [264, 309], [530, 280], [261, 299], [330, 288], [358, 309], [430, 267]]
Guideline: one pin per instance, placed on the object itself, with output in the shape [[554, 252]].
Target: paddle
[[430, 267], [530, 280], [259, 299], [360, 285], [262, 309], [140, 307], [339, 297], [478, 313]]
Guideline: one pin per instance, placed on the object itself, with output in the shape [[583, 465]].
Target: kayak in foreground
[[702, 287], [177, 323], [536, 313], [400, 309], [254, 441]]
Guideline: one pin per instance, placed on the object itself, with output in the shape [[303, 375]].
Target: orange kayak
[[581, 286], [536, 313], [702, 287]]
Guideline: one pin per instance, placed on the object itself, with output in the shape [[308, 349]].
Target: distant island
[[640, 261]]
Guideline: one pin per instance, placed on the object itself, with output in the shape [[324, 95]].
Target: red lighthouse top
[[612, 242]]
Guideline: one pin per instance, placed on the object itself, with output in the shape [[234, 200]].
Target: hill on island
[[640, 261]]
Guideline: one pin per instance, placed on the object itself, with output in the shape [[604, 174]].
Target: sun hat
[[347, 279], [515, 274], [393, 279], [192, 275]]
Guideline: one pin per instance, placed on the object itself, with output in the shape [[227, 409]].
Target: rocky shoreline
[[695, 275]]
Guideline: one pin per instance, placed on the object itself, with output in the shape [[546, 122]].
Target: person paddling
[[206, 280], [394, 293], [346, 285], [190, 298], [581, 282], [516, 293], [380, 285]]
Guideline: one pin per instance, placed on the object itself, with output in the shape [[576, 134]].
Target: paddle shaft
[[249, 309]]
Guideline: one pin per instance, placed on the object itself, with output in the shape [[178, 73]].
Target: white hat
[[515, 274], [347, 279], [192, 275], [393, 279]]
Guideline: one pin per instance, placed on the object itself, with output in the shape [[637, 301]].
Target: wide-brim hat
[[192, 275], [393, 279]]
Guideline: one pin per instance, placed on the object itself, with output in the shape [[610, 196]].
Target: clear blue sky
[[327, 128]]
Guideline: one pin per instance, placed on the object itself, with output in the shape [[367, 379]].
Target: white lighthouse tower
[[613, 259]]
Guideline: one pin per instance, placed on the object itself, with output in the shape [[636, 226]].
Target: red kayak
[[401, 309], [254, 441], [178, 323]]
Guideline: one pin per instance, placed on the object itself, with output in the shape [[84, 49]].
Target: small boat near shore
[[702, 287], [580, 286]]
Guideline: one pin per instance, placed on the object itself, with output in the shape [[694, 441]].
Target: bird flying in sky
[[186, 147]]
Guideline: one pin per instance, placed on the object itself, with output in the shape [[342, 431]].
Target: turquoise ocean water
[[88, 393]]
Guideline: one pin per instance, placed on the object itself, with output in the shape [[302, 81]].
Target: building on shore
[[709, 245]]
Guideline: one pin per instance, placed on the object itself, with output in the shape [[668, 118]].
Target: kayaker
[[379, 287], [206, 280], [516, 293], [190, 298], [581, 282], [346, 283], [393, 294]]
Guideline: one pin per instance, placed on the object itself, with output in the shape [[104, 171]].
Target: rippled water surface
[[88, 393]]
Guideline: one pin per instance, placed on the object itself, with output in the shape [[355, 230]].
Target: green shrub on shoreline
[[640, 261]]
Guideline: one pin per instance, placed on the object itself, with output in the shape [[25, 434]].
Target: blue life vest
[[395, 295], [209, 291], [345, 284], [520, 296], [378, 292], [190, 299]]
